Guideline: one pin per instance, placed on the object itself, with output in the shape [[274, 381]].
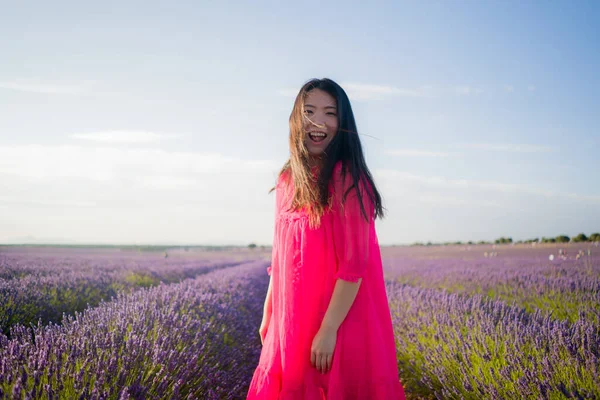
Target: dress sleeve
[[350, 228], [278, 199]]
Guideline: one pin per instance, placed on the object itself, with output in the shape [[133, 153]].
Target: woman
[[326, 330]]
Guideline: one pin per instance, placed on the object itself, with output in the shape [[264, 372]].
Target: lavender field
[[497, 322], [472, 322], [44, 283]]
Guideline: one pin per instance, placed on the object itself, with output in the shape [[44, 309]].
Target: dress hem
[[266, 385], [347, 276]]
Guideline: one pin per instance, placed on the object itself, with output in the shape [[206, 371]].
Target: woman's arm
[[342, 298], [323, 345], [268, 307], [351, 235], [267, 312]]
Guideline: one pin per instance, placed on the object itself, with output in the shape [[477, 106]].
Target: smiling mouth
[[317, 136]]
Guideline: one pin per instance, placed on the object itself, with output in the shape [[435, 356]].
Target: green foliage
[[562, 239], [548, 240], [580, 238], [534, 240], [564, 306], [141, 279], [455, 350]]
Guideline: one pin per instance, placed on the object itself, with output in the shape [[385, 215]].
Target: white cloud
[[361, 92], [395, 176], [119, 195], [448, 200], [288, 92], [164, 182], [114, 164], [419, 153], [516, 148], [47, 87], [123, 136], [467, 90], [15, 200]]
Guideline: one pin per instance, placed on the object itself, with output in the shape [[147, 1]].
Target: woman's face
[[320, 121]]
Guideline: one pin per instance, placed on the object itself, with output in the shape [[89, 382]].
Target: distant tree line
[[582, 237], [253, 246]]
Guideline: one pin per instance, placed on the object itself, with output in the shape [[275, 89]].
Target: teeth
[[322, 134]]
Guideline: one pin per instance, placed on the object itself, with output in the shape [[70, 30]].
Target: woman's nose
[[319, 122]]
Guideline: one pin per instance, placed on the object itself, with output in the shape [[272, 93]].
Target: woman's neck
[[315, 162]]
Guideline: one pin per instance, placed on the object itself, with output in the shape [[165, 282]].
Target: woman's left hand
[[321, 352]]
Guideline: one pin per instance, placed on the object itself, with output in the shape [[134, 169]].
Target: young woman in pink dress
[[326, 330]]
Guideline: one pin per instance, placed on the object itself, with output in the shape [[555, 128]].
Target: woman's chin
[[315, 153]]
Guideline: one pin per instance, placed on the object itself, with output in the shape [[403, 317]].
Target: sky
[[130, 122]]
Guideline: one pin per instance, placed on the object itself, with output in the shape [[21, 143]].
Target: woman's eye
[[331, 114], [307, 111]]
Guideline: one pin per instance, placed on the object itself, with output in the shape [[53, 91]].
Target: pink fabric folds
[[306, 264]]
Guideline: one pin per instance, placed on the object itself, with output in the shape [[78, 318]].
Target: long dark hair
[[345, 147]]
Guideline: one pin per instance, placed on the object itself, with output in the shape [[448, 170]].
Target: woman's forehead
[[318, 98]]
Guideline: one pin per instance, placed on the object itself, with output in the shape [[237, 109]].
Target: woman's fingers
[[314, 360], [324, 363], [321, 362]]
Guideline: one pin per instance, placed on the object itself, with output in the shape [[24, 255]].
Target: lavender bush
[[195, 339], [44, 284], [473, 347], [567, 288], [497, 323], [468, 325]]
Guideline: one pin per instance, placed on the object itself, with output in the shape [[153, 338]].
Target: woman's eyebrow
[[310, 105]]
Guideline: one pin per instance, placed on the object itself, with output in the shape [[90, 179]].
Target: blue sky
[[156, 122]]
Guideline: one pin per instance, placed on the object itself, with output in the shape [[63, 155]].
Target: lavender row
[[44, 285], [567, 288], [20, 262], [195, 339], [472, 347]]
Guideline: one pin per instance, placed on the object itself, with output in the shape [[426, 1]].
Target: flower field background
[[473, 322]]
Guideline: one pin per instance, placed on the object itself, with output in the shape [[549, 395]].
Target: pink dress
[[305, 266]]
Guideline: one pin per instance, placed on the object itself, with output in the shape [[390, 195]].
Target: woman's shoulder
[[284, 181], [342, 178], [337, 175], [337, 168]]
